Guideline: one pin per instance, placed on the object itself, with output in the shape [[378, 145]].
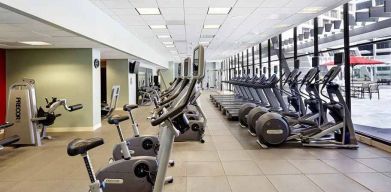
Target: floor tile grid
[[324, 161]]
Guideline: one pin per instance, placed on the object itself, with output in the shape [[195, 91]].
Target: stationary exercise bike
[[47, 118], [144, 145], [142, 173]]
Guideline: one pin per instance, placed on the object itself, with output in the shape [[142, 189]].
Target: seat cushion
[[116, 119], [81, 146], [129, 107]]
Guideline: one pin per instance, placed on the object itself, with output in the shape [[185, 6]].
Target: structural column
[[269, 56], [346, 39]]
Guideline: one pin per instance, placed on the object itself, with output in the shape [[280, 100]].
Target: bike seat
[[129, 107], [81, 146], [116, 119]]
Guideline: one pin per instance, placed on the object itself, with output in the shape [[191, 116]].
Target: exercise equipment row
[[312, 112]]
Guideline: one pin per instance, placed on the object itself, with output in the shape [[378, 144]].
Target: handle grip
[[76, 107], [165, 116]]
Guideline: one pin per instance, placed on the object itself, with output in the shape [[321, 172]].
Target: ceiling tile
[[222, 3], [215, 19], [170, 3], [176, 27], [249, 3], [209, 31], [196, 3], [130, 11], [143, 3], [122, 4], [196, 11]]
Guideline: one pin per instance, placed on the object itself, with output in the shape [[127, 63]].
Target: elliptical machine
[[142, 173], [273, 129]]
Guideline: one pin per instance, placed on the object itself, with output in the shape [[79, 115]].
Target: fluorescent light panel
[[219, 10], [170, 46], [38, 43], [211, 26], [163, 36], [158, 26], [311, 10], [204, 43], [148, 11], [168, 42]]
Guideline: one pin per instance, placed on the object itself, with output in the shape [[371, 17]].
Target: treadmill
[[267, 88], [257, 95], [246, 95]]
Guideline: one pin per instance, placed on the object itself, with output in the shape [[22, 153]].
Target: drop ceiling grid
[[238, 30]]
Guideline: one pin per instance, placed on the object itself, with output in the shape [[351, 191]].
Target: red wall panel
[[3, 87]]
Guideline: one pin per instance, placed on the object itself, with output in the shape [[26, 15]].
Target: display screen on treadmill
[[196, 62], [179, 69], [186, 68]]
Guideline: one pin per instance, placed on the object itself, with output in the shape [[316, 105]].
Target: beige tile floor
[[230, 161]]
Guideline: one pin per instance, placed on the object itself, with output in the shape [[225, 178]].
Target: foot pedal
[[171, 163], [169, 179]]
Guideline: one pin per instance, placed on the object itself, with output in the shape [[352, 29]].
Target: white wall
[[96, 91]]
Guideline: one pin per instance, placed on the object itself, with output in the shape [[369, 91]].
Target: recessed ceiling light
[[168, 42], [163, 36], [219, 10], [158, 26], [170, 46], [39, 43], [148, 11], [211, 26], [311, 10], [204, 43]]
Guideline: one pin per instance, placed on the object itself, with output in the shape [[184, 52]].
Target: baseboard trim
[[74, 129], [373, 143]]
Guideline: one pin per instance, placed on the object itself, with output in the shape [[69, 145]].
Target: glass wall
[[370, 59]]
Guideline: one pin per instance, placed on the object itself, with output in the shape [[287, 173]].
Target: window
[[383, 45], [275, 69], [334, 14], [383, 68]]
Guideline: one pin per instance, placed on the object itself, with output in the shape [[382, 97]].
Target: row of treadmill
[[299, 109]]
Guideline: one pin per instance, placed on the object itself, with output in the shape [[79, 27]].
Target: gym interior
[[195, 95]]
